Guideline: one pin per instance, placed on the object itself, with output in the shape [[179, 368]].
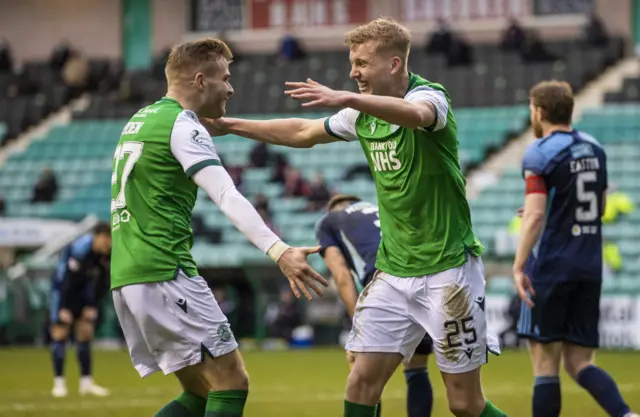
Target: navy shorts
[[425, 347], [564, 311], [76, 306]]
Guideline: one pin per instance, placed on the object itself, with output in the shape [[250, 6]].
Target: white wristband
[[276, 250]]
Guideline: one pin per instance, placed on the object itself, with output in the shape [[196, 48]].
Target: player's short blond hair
[[191, 56], [555, 98], [390, 35]]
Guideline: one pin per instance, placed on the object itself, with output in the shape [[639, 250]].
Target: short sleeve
[[81, 247], [342, 125], [191, 144], [325, 235], [534, 160], [435, 97]]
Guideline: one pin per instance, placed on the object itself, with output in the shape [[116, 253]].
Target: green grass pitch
[[295, 383]]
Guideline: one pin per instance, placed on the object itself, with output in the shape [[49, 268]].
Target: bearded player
[[558, 264], [429, 277], [349, 237], [78, 285], [170, 319]]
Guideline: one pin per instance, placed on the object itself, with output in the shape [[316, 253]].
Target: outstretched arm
[[423, 107], [194, 150], [294, 133], [220, 188]]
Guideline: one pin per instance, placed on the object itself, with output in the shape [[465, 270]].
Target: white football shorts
[[170, 325], [393, 314]]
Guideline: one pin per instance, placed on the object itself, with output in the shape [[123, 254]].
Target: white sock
[[59, 381], [86, 381]]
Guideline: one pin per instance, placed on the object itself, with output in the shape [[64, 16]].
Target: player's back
[[152, 197], [73, 257], [355, 230], [573, 166]]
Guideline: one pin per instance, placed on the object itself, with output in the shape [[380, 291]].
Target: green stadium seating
[[81, 154]]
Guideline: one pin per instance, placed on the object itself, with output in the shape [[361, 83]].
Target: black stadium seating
[[629, 93], [496, 78], [29, 96]]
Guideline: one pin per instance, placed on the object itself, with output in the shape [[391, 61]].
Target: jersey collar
[[412, 80], [172, 100], [571, 132]]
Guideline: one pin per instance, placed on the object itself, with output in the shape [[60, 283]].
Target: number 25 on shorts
[[455, 328]]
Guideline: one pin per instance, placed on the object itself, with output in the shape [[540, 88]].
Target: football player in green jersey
[[430, 276], [170, 319]]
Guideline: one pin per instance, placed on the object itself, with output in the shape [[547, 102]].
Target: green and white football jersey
[[152, 193], [424, 215]]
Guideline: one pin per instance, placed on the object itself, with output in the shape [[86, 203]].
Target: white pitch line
[[259, 397]]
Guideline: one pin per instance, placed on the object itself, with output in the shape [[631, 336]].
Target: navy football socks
[[546, 396], [603, 389], [419, 393], [57, 357]]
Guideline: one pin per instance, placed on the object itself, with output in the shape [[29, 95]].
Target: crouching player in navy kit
[[79, 283], [349, 236], [558, 264]]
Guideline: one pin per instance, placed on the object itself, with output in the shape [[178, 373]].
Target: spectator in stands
[[319, 195], [459, 52], [75, 74], [294, 184], [284, 316], [618, 203], [235, 172], [440, 40], [46, 188], [159, 63], [2, 207], [60, 54], [226, 305], [6, 58], [266, 217], [280, 168], [202, 230], [260, 155], [533, 50], [261, 203], [505, 241], [611, 259], [514, 37], [291, 49], [130, 89], [595, 31], [111, 82]]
